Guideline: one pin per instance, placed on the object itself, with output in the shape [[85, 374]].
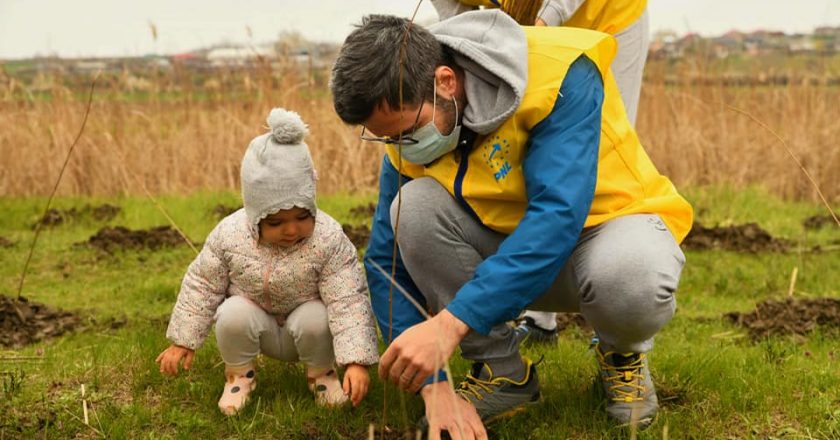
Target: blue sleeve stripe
[[560, 167]]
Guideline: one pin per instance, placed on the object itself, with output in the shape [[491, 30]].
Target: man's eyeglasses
[[399, 140]]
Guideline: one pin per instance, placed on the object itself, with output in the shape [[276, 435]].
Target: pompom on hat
[[277, 171]]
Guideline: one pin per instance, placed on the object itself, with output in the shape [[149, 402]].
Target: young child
[[280, 278]]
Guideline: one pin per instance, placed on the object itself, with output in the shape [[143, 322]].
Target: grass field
[[715, 382]]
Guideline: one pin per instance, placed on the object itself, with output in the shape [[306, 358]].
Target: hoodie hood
[[493, 51]]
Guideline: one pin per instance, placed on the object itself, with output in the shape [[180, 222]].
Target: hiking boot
[[529, 331], [631, 397], [499, 397], [238, 385]]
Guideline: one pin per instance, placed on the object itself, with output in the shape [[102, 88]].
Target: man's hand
[[421, 350], [445, 411], [356, 381], [171, 357]]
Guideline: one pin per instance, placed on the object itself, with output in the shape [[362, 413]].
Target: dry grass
[[186, 137], [695, 139], [172, 145]]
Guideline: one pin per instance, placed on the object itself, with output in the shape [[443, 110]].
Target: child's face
[[287, 227]]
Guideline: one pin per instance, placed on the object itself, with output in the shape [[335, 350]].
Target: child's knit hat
[[277, 171]]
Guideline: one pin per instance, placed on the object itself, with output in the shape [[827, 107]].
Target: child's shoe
[[238, 385], [326, 386]]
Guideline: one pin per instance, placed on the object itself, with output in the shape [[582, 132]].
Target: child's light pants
[[244, 329]]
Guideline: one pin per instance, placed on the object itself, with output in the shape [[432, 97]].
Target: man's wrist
[[435, 387], [452, 325]]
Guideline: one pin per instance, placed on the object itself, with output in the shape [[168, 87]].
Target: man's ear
[[446, 81]]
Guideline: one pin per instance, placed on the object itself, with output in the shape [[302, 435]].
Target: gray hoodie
[[493, 51]]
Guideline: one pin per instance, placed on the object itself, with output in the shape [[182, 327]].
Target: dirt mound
[[359, 235], [818, 221], [566, 320], [740, 238], [5, 242], [23, 322], [221, 211], [119, 237], [791, 316], [100, 213], [364, 211]]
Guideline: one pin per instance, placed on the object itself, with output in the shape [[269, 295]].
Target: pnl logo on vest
[[495, 154]]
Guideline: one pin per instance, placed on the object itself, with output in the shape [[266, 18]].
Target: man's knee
[[417, 206], [633, 287]]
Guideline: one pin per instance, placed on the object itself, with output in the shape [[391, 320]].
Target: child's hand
[[356, 381], [171, 357]]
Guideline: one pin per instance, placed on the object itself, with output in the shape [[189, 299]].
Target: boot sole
[[510, 413]]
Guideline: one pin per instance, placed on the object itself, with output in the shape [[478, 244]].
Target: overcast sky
[[75, 28]]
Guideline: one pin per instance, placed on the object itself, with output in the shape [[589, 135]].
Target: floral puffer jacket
[[325, 266]]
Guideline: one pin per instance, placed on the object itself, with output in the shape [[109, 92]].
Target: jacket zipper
[[464, 146], [267, 305]]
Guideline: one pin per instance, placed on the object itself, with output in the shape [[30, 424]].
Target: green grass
[[714, 382]]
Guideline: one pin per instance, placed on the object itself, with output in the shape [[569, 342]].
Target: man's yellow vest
[[610, 16], [492, 181]]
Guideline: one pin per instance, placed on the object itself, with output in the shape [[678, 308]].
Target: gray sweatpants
[[621, 276], [244, 329], [629, 63]]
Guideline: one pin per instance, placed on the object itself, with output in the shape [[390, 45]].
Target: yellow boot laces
[[474, 386], [626, 380]]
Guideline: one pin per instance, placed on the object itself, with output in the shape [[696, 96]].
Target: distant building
[[238, 56]]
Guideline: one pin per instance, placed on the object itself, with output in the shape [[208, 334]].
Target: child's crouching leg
[[239, 323], [309, 326], [238, 386]]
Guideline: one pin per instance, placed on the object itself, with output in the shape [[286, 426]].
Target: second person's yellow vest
[[610, 16]]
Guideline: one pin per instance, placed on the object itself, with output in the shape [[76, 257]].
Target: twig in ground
[[425, 315], [394, 250], [792, 281], [40, 224], [84, 405]]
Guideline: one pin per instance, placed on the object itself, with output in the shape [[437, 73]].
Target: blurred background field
[[179, 125]]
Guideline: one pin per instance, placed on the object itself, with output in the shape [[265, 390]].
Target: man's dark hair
[[367, 70]]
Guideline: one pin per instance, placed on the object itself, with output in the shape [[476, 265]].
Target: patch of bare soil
[[364, 211], [100, 213], [110, 239], [23, 322], [5, 242], [748, 237], [567, 320], [221, 211], [789, 317], [312, 431], [359, 235], [818, 221]]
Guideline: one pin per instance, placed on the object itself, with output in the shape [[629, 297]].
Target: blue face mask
[[430, 143]]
